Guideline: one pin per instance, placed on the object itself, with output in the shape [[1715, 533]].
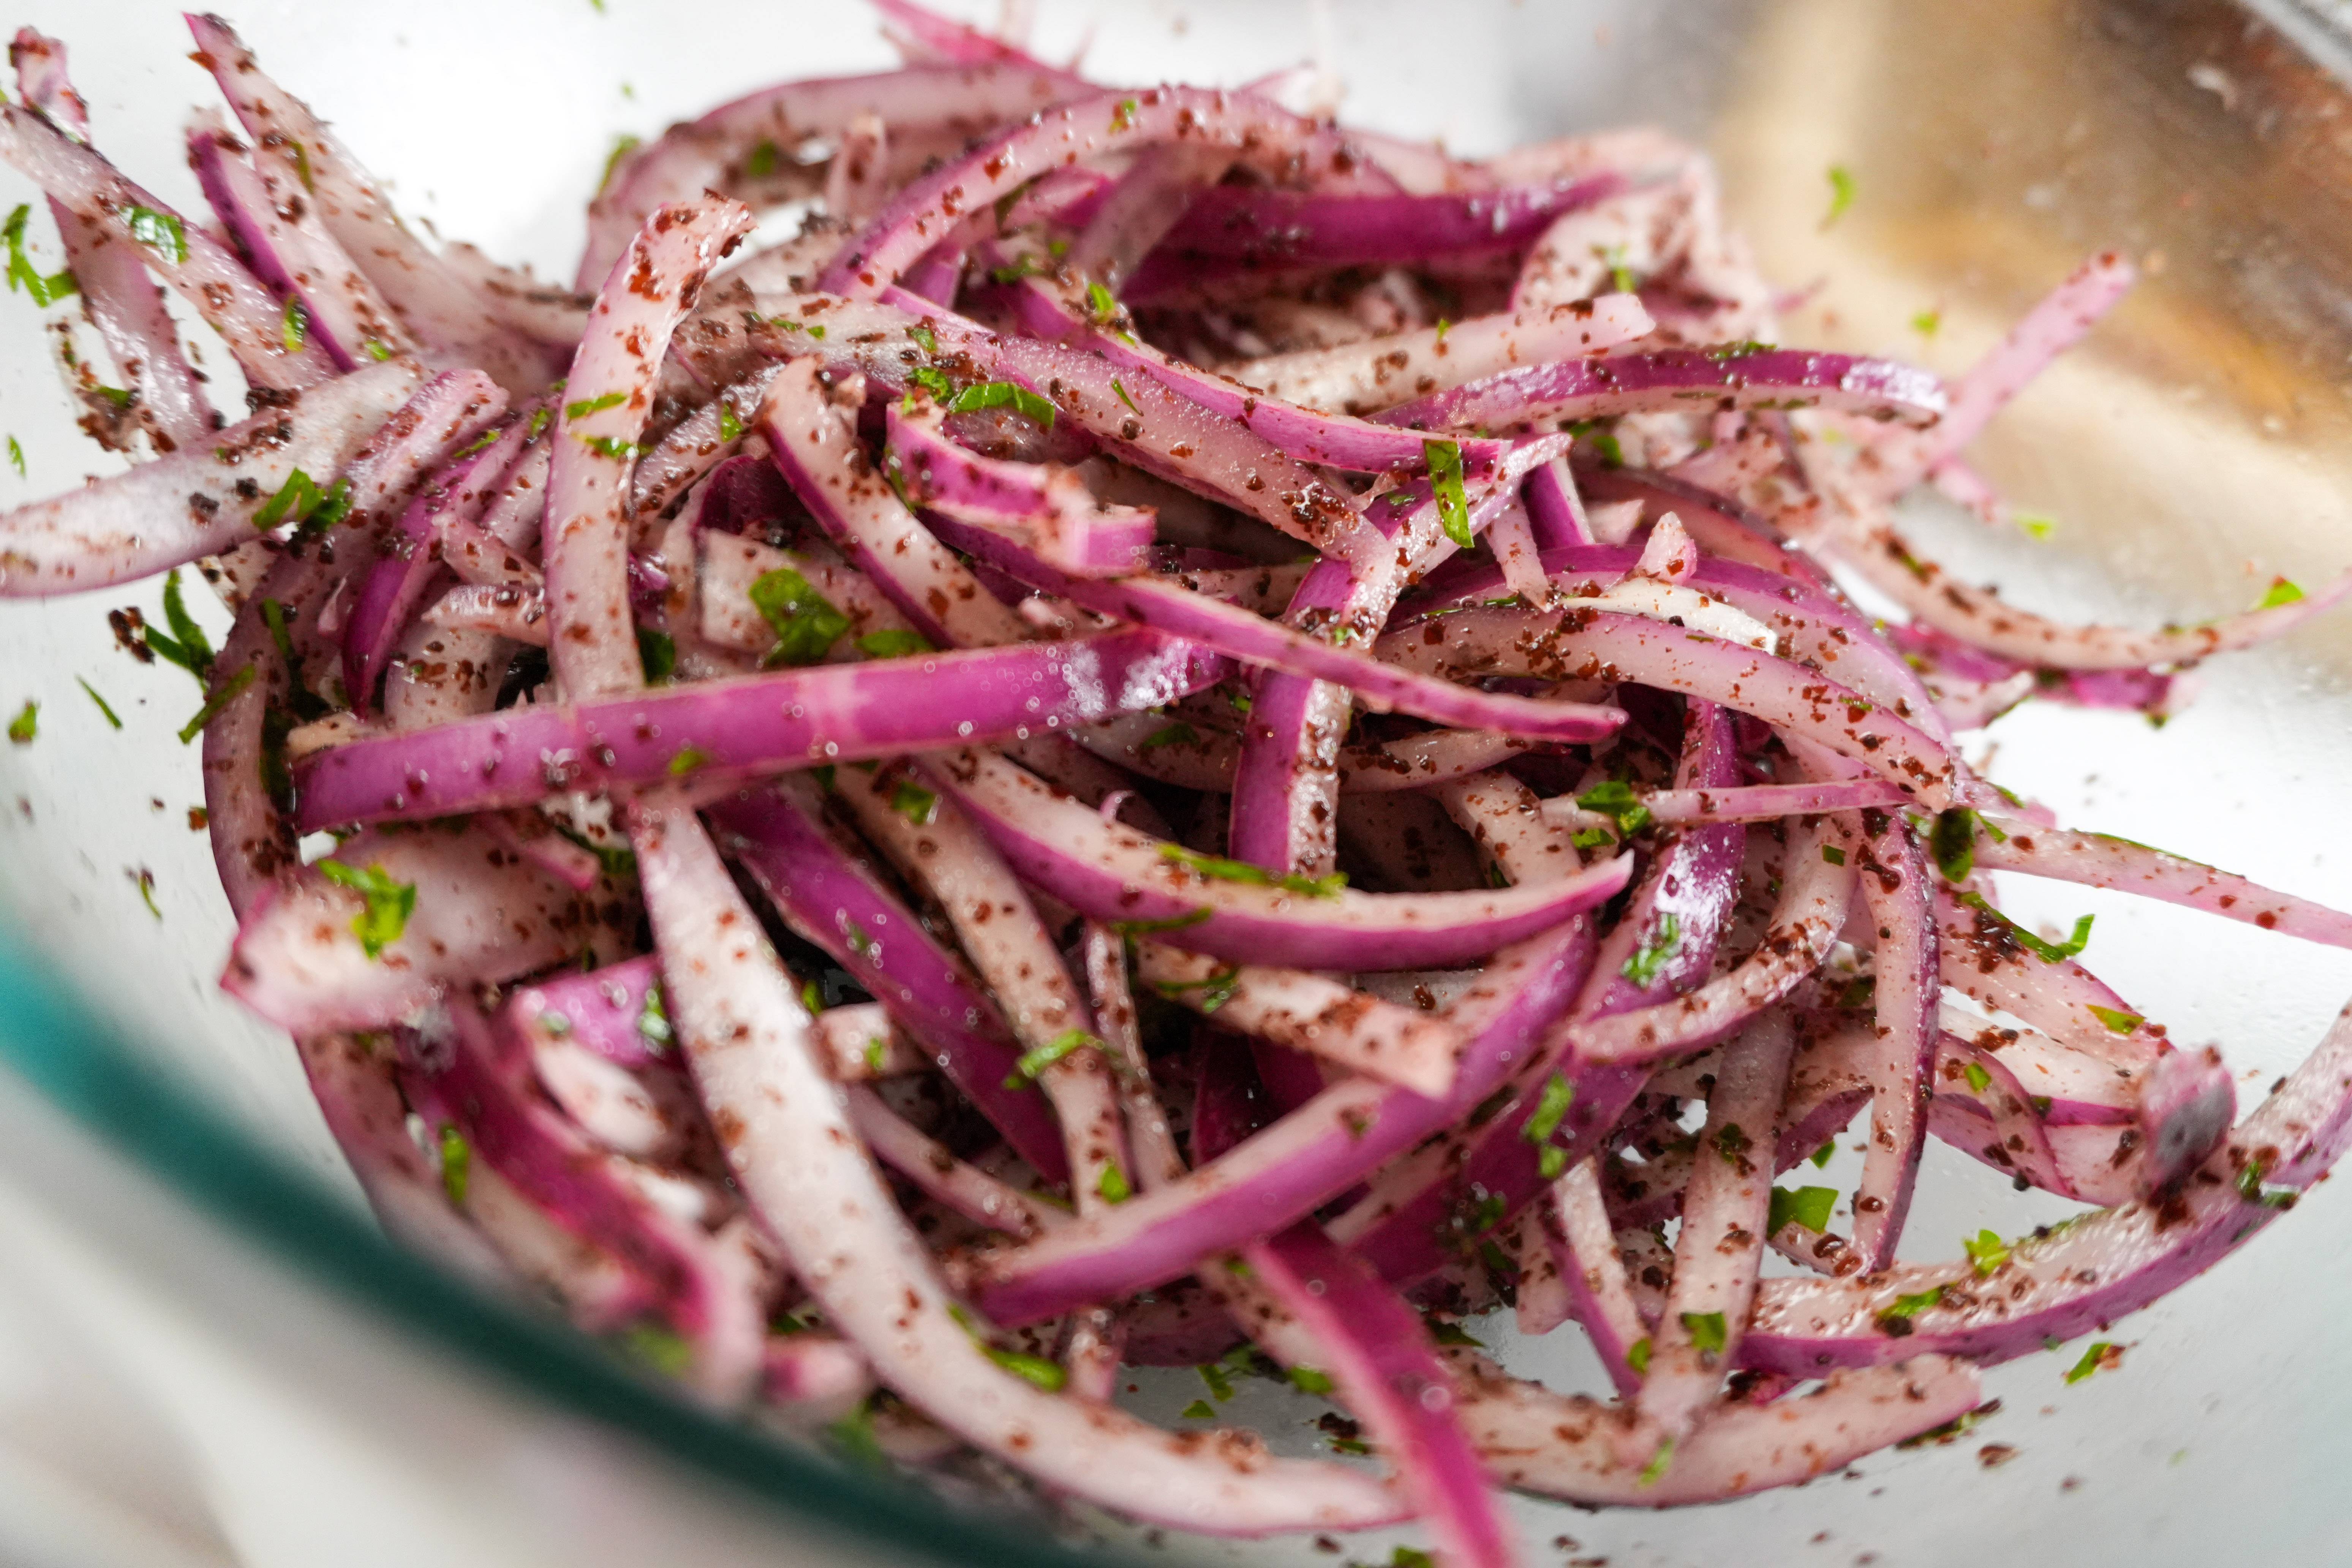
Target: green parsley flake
[[893, 642], [1926, 323], [483, 442], [2116, 1018], [611, 447], [1003, 395], [2101, 1357], [1905, 1308], [1656, 953], [1216, 989], [1176, 734], [457, 1163], [623, 145], [1832, 854], [2037, 525], [1841, 193], [658, 1348], [1953, 842], [1113, 1186], [924, 338], [805, 622], [47, 289], [2251, 1188], [1220, 1383], [2048, 952], [1116, 385], [16, 457], [386, 904], [853, 1436], [294, 328], [913, 802], [587, 405], [25, 724], [731, 428], [1217, 868], [1707, 1331], [1132, 929], [2281, 592], [541, 418], [687, 759], [162, 233], [1978, 1080], [1987, 1251], [1637, 1354], [189, 647], [876, 1052], [653, 1019], [227, 694], [933, 380], [1446, 1331], [103, 706], [1551, 1108], [1198, 1410], [1123, 117], [860, 942], [1807, 1207], [657, 651], [1309, 1381], [1615, 799], [1444, 460], [144, 881], [1655, 1470], [1593, 838], [1036, 1061], [762, 160], [1821, 1156], [1605, 441]]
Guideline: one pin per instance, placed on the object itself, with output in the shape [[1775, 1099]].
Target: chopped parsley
[[2251, 1188], [47, 289], [731, 428], [1446, 1331], [913, 802], [1821, 1156], [1926, 323], [2048, 952], [1987, 1251], [1614, 799], [1905, 1308], [893, 642], [2116, 1018], [1123, 117], [762, 160], [229, 693], [1605, 441], [1707, 1331], [687, 759], [1637, 1354], [1132, 929], [587, 405], [1116, 385], [377, 351], [1307, 1380], [854, 1437], [1551, 1108], [1978, 1080], [1003, 395], [540, 417], [1807, 1207], [611, 447], [653, 1019], [933, 380], [2281, 592], [661, 1350], [2037, 525], [1216, 989], [1176, 734], [1656, 950], [457, 1163], [1445, 459], [623, 145], [1036, 1061], [1218, 868], [1113, 1186], [1198, 1410], [2101, 1357], [144, 881], [924, 338], [1655, 1470], [294, 327], [187, 646], [482, 443], [805, 622], [1832, 854], [300, 500], [877, 1050], [1593, 838], [1841, 180], [16, 457], [657, 651], [25, 724], [102, 707], [162, 233], [385, 904]]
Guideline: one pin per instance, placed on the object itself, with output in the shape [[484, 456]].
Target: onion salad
[[1175, 735]]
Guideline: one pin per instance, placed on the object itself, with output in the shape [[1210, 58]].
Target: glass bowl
[[2199, 444]]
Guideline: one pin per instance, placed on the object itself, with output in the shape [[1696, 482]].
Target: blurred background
[[204, 1361]]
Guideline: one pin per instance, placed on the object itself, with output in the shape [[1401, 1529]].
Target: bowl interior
[[2200, 443]]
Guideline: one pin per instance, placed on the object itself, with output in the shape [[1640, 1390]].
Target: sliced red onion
[[1681, 380], [1506, 821], [1896, 890], [1311, 1014], [1980, 957], [925, 37], [530, 836], [592, 642], [936, 849], [462, 405], [1047, 510], [1720, 1248], [730, 566], [928, 1163], [198, 500], [746, 726], [197, 265], [1113, 873], [429, 297], [1151, 1139], [1376, 1351], [1138, 211], [861, 1042], [119, 298], [607, 1011], [1576, 644], [2079, 1276], [836, 904], [508, 611], [1574, 1226], [1565, 1446], [1212, 623], [2098, 861], [1307, 1158], [480, 916], [556, 1168], [721, 150], [279, 234], [787, 1138]]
